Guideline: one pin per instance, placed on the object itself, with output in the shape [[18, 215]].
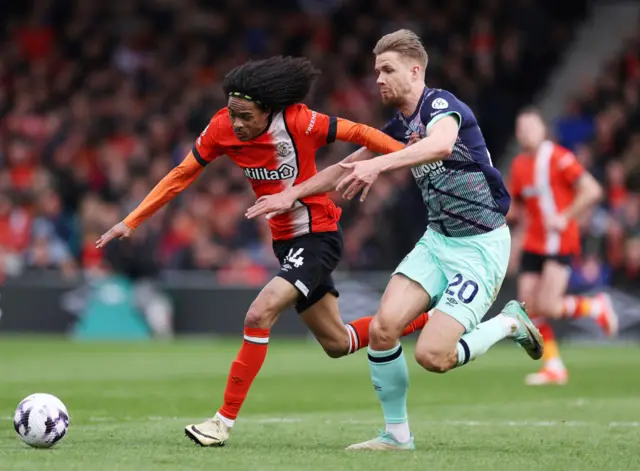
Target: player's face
[[530, 131], [247, 118], [395, 76]]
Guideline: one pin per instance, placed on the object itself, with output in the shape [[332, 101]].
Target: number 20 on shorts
[[465, 290]]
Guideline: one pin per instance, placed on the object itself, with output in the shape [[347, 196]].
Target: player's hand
[[558, 222], [363, 175], [415, 137], [120, 230], [271, 205]]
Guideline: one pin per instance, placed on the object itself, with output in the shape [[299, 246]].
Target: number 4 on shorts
[[465, 290], [295, 259]]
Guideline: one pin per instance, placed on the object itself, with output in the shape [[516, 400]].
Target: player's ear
[[415, 72]]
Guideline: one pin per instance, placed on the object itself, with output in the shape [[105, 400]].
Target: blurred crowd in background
[[99, 100]]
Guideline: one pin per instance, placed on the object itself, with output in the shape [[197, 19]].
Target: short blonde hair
[[406, 43]]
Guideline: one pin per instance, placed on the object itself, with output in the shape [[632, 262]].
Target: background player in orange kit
[[273, 138], [552, 190]]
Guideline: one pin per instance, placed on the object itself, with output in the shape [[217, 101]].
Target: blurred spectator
[[574, 127], [590, 273], [47, 251]]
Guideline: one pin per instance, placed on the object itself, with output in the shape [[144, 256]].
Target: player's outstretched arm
[[323, 182], [372, 140], [168, 188], [437, 145], [327, 179]]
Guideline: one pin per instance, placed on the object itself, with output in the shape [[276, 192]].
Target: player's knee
[[263, 311], [257, 317], [434, 360], [382, 332]]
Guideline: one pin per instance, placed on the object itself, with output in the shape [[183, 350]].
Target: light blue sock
[[485, 335], [390, 378]]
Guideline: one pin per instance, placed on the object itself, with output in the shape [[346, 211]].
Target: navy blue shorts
[[307, 262], [534, 262]]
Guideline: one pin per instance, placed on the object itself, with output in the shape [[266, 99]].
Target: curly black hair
[[273, 83]]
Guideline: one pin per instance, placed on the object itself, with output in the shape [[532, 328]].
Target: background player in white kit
[[458, 266]]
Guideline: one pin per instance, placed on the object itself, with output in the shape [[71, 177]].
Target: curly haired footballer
[[273, 138]]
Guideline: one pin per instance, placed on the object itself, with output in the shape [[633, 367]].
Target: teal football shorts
[[462, 275]]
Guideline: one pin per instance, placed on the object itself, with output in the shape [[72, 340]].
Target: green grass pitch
[[129, 403]]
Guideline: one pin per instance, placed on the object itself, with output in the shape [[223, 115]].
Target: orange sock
[[359, 330], [551, 355], [550, 344], [244, 369], [417, 324], [580, 306]]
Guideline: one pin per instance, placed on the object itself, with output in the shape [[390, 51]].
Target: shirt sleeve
[[207, 147], [168, 188], [440, 105], [318, 128], [366, 136], [321, 130], [569, 167]]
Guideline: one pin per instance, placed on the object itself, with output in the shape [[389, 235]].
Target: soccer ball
[[41, 420]]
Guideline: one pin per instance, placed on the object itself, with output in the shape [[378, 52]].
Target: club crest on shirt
[[439, 104], [283, 148]]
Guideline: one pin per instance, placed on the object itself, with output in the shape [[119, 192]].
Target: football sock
[[486, 334], [358, 330], [580, 306], [390, 378], [416, 324], [551, 355], [244, 369]]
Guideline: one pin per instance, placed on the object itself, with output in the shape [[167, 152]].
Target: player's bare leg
[[436, 350], [444, 345], [553, 303], [339, 339], [553, 370], [402, 301], [263, 313], [527, 289]]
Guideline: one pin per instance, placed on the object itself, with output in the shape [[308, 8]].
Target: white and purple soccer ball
[[41, 420]]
